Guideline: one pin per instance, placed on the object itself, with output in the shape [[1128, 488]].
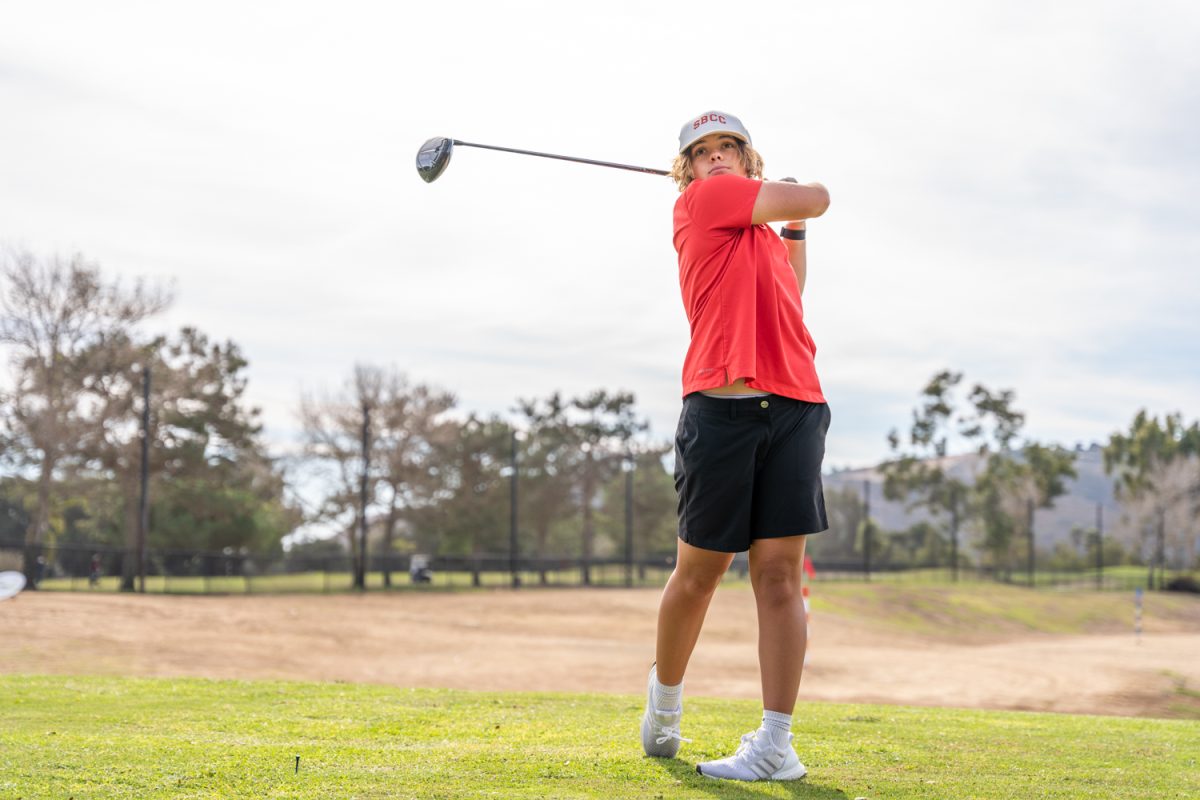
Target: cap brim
[[735, 134]]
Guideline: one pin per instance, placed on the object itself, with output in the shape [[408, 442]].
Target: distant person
[[94, 571], [751, 436]]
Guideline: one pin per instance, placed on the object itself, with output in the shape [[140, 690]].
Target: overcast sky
[[1014, 190]]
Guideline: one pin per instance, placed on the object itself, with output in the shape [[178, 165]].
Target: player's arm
[[779, 201], [797, 253]]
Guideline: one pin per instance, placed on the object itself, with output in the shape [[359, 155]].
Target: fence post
[[867, 529], [954, 533], [1029, 507]]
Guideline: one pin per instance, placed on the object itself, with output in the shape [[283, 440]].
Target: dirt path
[[575, 640]]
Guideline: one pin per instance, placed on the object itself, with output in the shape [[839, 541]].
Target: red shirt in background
[[740, 295]]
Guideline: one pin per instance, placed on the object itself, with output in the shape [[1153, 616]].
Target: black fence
[[89, 568], [75, 568]]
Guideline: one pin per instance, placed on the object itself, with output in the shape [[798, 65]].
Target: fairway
[[970, 646], [145, 739]]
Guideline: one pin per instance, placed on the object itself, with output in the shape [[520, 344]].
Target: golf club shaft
[[648, 170]]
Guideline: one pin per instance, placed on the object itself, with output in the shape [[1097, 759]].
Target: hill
[[1091, 489]]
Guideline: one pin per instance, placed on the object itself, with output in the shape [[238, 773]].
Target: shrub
[[1184, 583]]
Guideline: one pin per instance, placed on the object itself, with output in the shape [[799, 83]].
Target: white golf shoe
[[660, 729], [757, 759]]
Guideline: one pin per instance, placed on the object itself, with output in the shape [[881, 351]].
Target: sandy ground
[[576, 640]]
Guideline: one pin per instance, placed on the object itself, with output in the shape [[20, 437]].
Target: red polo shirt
[[740, 295]]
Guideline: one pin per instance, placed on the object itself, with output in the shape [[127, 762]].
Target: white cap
[[711, 122]]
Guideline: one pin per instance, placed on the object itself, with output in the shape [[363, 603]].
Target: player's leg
[[714, 476], [788, 505], [683, 607], [681, 613], [767, 753], [776, 571]]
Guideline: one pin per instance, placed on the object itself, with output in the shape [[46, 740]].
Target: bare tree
[[338, 439], [58, 314], [411, 425], [402, 423]]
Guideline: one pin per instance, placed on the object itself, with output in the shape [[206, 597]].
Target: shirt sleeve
[[723, 201]]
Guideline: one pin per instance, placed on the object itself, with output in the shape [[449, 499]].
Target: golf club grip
[[648, 170]]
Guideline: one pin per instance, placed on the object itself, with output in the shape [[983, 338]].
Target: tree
[[998, 497], [14, 519], [846, 512], [213, 485], [918, 474], [922, 544], [58, 314], [471, 514], [654, 502], [1157, 470], [412, 430], [653, 510], [573, 449], [338, 442], [604, 433], [547, 463]]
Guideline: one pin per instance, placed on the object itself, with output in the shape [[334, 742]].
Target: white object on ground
[[10, 584]]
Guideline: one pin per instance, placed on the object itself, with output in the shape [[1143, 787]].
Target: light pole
[[144, 502], [360, 577], [513, 544], [867, 529], [954, 532], [628, 465], [1032, 554]]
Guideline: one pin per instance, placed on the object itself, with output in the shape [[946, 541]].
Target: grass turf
[[989, 609], [150, 738]]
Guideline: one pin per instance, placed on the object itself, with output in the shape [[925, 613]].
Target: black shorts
[[749, 469]]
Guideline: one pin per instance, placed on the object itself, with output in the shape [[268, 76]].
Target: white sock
[[667, 698], [779, 726]]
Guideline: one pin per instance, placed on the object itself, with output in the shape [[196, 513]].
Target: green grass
[[953, 611], [147, 738], [1187, 699]]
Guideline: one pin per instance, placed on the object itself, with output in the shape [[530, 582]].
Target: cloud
[[1012, 190]]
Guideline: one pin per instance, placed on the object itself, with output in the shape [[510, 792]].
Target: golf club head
[[433, 157]]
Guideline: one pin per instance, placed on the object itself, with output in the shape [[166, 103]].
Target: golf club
[[434, 156]]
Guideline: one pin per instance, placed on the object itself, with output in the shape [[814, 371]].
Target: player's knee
[[777, 584], [698, 583]]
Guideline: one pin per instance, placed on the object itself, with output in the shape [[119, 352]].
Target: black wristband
[[789, 233]]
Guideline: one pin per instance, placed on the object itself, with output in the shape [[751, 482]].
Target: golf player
[[751, 434]]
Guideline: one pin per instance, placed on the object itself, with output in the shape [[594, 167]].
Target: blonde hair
[[681, 170]]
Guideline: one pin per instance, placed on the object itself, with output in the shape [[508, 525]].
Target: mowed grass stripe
[[150, 738]]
